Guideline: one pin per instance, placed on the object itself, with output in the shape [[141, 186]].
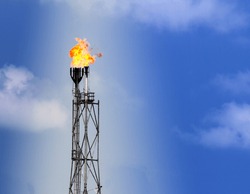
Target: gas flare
[[81, 54]]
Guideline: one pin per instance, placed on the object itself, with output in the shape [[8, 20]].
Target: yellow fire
[[80, 54]]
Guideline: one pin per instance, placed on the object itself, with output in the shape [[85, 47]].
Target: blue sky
[[174, 86]]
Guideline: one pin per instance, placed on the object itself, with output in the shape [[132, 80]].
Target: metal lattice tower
[[85, 171]]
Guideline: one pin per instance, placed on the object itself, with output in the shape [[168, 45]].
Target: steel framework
[[85, 171]]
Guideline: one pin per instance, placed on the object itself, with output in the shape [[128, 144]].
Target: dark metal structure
[[85, 171]]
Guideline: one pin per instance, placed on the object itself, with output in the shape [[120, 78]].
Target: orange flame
[[80, 54]]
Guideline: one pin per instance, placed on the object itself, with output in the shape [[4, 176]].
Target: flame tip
[[80, 54]]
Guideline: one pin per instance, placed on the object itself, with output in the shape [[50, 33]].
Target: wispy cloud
[[180, 15], [22, 108], [177, 15], [230, 127], [236, 83]]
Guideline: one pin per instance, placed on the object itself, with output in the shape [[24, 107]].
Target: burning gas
[[80, 54]]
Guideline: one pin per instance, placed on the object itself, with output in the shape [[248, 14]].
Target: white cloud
[[172, 14], [178, 14], [237, 83], [230, 127], [15, 80], [22, 107]]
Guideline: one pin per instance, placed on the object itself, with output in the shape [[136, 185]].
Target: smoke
[[24, 106]]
